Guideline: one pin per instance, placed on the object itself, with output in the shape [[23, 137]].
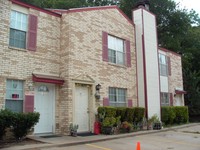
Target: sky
[[190, 4]]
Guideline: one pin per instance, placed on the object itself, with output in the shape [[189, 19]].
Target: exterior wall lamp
[[97, 94]]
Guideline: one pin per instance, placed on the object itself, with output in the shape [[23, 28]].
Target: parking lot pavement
[[187, 138], [183, 137]]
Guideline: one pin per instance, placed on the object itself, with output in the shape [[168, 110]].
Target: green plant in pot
[[152, 121], [73, 129], [108, 124]]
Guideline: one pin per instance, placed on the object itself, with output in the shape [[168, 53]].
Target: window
[[116, 52], [14, 95], [163, 64], [117, 97], [18, 29], [164, 99]]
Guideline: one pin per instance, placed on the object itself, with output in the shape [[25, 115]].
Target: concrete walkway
[[69, 140]]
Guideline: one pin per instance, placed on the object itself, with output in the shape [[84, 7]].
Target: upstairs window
[[18, 29], [164, 99], [117, 97], [14, 95], [116, 53], [163, 64], [116, 50]]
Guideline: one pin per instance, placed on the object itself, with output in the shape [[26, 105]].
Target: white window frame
[[116, 47], [18, 29], [163, 64], [165, 99], [15, 91], [116, 95]]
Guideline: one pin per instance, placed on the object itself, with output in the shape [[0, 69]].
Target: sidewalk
[[69, 140]]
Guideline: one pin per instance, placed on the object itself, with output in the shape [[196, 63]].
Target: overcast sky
[[190, 4]]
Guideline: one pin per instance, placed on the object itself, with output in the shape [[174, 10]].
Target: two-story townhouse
[[64, 64]]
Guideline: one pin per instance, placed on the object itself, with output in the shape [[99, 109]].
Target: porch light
[[97, 94], [98, 86]]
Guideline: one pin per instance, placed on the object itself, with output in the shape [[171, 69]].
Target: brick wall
[[81, 54], [21, 63]]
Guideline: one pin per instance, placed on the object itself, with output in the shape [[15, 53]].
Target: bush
[[174, 114], [168, 114], [110, 111], [23, 122], [138, 114], [121, 111], [181, 114], [130, 114], [5, 121], [109, 122]]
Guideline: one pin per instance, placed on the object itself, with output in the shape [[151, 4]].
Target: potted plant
[[126, 127], [153, 122], [108, 124], [73, 129]]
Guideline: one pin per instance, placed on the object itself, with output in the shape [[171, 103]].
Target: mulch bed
[[6, 144]]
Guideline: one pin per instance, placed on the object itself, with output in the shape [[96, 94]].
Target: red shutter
[[171, 99], [105, 46], [169, 66], [128, 53], [32, 32], [29, 103], [130, 103], [105, 101]]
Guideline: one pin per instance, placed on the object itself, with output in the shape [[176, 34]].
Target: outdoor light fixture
[[97, 94], [98, 86], [30, 87]]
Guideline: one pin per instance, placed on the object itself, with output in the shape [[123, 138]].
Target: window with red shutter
[[169, 66], [128, 53], [130, 103], [105, 46], [32, 32], [105, 101], [29, 103], [171, 99]]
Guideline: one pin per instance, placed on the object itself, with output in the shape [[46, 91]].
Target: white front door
[[81, 108], [44, 104]]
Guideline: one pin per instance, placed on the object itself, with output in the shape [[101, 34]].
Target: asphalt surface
[[185, 137]]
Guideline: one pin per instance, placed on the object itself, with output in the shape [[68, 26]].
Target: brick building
[[64, 64]]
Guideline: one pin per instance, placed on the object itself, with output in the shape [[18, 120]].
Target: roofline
[[169, 51], [74, 10], [18, 2]]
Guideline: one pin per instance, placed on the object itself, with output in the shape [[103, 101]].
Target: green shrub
[[181, 114], [168, 114], [109, 122], [130, 114], [121, 111], [174, 114], [138, 114], [5, 121], [101, 113], [23, 122], [110, 111]]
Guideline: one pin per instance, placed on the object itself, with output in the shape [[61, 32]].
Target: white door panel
[[44, 104], [81, 109]]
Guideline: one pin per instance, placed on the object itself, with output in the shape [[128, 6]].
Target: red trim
[[169, 51], [47, 80], [144, 64], [34, 7], [180, 92]]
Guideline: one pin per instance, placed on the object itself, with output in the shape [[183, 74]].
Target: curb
[[110, 137]]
